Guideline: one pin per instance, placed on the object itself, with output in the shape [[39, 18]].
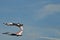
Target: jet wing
[[11, 34], [8, 24]]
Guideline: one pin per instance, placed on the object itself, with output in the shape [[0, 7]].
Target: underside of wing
[[11, 34]]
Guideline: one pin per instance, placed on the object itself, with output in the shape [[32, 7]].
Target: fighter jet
[[20, 26]]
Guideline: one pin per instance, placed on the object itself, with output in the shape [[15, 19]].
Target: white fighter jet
[[20, 26]]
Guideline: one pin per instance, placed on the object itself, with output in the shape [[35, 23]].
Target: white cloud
[[50, 38], [48, 10], [37, 33]]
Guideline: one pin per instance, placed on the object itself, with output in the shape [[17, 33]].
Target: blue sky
[[41, 19]]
